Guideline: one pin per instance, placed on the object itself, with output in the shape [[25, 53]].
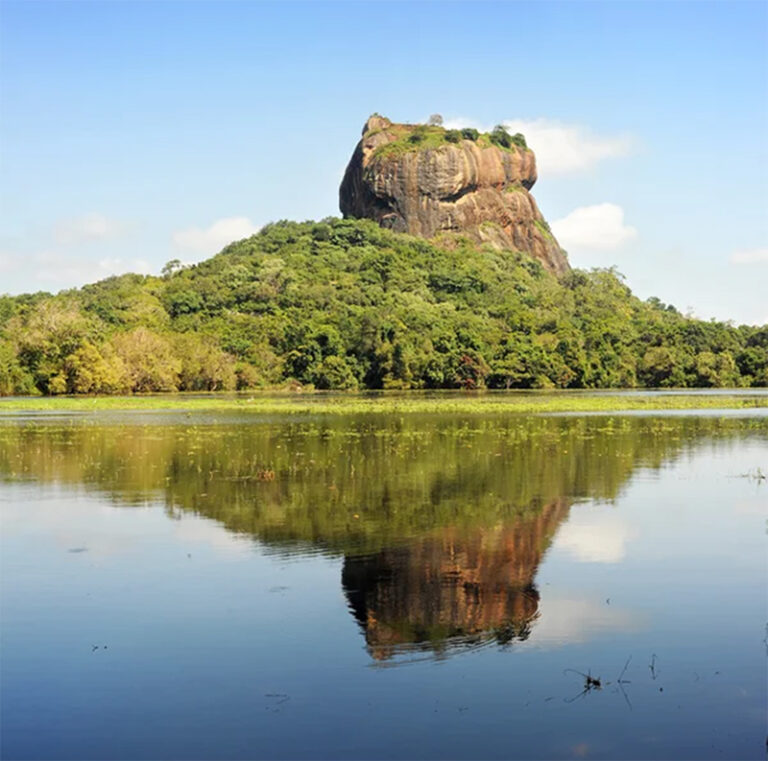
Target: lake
[[447, 586]]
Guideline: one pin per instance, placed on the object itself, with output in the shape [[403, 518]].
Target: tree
[[334, 372], [49, 332], [501, 137], [150, 362], [471, 371], [171, 268], [717, 370], [345, 302], [89, 370], [660, 367], [14, 379], [204, 366]]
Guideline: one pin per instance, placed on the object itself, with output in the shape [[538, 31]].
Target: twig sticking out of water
[[589, 680], [590, 683], [624, 671], [754, 475], [652, 667], [595, 683], [621, 682]]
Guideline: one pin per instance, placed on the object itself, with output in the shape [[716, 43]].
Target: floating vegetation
[[319, 403]]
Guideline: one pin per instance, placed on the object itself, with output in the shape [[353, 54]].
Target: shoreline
[[521, 402]]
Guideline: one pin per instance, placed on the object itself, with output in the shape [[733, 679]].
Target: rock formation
[[425, 180]]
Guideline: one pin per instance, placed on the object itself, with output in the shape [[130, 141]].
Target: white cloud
[[559, 148], [750, 256], [71, 271], [216, 236], [117, 266], [598, 227], [8, 261], [88, 227]]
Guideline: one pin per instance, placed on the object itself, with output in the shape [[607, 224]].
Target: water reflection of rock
[[453, 588]]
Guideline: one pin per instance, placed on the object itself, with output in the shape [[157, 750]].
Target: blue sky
[[132, 133]]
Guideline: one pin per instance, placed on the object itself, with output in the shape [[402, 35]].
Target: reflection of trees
[[443, 521], [452, 588], [360, 484]]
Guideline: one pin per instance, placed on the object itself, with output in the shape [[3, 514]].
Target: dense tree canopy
[[343, 304]]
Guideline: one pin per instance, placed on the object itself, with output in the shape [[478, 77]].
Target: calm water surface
[[220, 586]]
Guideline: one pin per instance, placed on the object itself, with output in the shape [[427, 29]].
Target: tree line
[[344, 304]]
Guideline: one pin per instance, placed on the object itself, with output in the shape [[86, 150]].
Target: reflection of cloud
[[567, 620], [755, 505], [593, 537], [71, 521], [103, 531], [192, 529]]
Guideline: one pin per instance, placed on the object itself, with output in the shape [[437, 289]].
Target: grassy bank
[[383, 403]]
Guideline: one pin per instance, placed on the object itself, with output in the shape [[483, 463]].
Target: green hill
[[346, 304]]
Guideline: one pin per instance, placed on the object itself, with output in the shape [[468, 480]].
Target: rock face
[[426, 181]]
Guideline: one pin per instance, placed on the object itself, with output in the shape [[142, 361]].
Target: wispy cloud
[[8, 261], [600, 227], [213, 238], [74, 251], [69, 271], [88, 227], [750, 256], [560, 148]]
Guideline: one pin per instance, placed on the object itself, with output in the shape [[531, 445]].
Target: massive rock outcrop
[[425, 180]]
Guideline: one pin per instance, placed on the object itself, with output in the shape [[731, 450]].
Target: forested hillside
[[343, 304]]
